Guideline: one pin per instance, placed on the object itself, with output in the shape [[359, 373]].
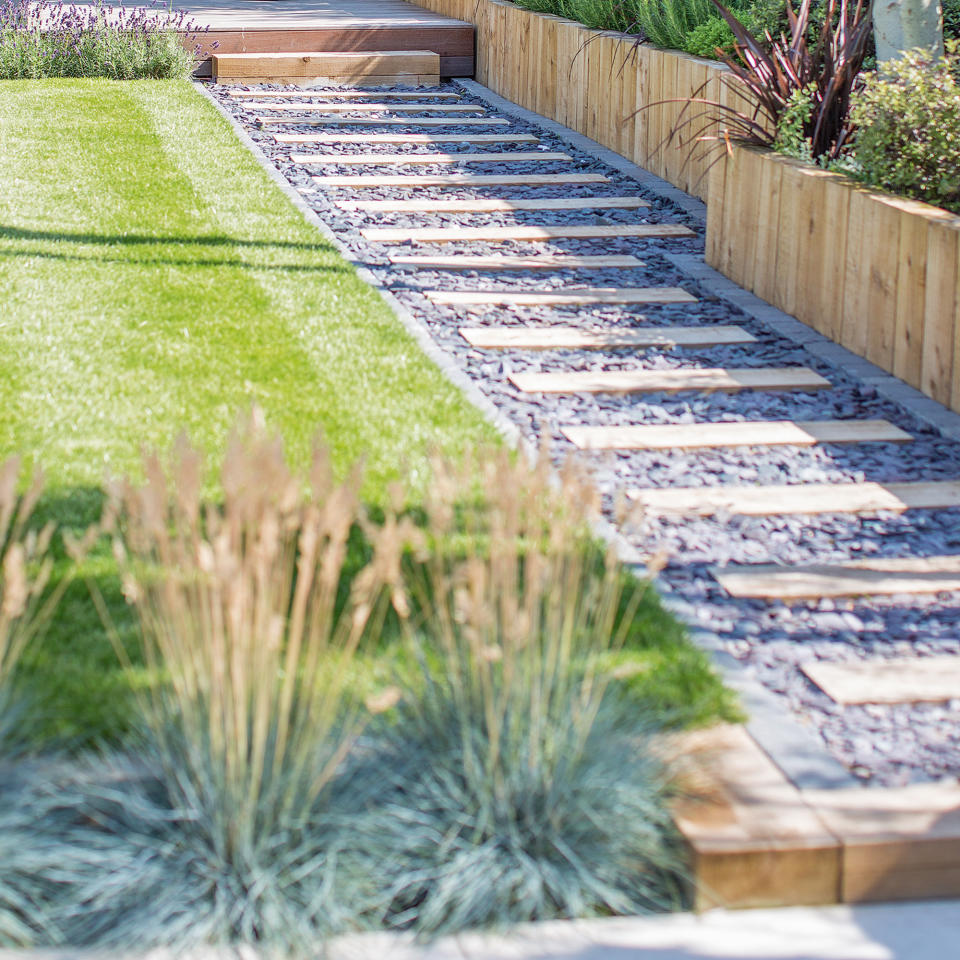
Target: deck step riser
[[380, 67]]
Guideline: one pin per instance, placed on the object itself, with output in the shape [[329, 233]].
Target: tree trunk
[[902, 25]]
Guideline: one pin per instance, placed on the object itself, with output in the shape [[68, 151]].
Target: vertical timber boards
[[878, 274], [592, 81]]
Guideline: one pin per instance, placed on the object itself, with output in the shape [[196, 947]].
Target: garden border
[[892, 297]]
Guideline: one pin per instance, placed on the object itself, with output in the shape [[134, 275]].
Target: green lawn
[[154, 281]]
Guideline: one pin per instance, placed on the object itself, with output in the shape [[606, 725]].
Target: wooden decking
[[343, 26]]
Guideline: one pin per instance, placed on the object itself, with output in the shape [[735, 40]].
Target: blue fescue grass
[[519, 784]]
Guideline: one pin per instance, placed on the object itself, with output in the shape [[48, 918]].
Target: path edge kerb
[[792, 747]]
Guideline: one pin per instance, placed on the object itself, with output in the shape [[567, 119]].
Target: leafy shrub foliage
[[907, 128], [510, 798], [122, 43]]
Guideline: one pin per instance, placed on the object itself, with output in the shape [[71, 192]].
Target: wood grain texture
[[492, 205], [412, 159], [690, 436], [464, 261], [365, 107], [878, 274], [457, 180], [407, 122], [576, 338], [776, 379], [875, 577], [523, 297], [903, 679], [321, 94], [496, 233], [418, 138], [808, 498]]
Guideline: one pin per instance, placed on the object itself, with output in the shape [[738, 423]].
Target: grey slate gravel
[[888, 745]]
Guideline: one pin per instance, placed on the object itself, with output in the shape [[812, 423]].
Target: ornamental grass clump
[[518, 785], [223, 823], [45, 39]]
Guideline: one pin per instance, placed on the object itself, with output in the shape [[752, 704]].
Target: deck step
[[499, 234], [560, 261], [806, 498], [408, 159], [461, 180], [383, 67], [386, 121], [424, 138], [575, 338], [524, 297], [876, 577], [337, 94], [774, 379], [902, 680], [494, 205], [693, 436]]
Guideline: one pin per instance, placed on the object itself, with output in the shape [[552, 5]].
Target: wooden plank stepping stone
[[404, 138], [498, 234], [561, 297], [493, 262], [368, 107], [807, 498], [404, 159], [574, 338], [475, 205], [388, 121], [691, 436], [774, 379], [320, 92], [903, 680], [877, 577], [461, 180]]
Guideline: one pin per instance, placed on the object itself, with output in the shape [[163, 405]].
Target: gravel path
[[888, 745]]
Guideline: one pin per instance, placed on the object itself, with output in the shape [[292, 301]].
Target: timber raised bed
[[874, 272], [593, 81]]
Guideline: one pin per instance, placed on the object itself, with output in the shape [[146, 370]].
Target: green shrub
[[705, 39], [907, 129]]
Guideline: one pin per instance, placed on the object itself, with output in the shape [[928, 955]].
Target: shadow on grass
[[174, 243], [137, 239]]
